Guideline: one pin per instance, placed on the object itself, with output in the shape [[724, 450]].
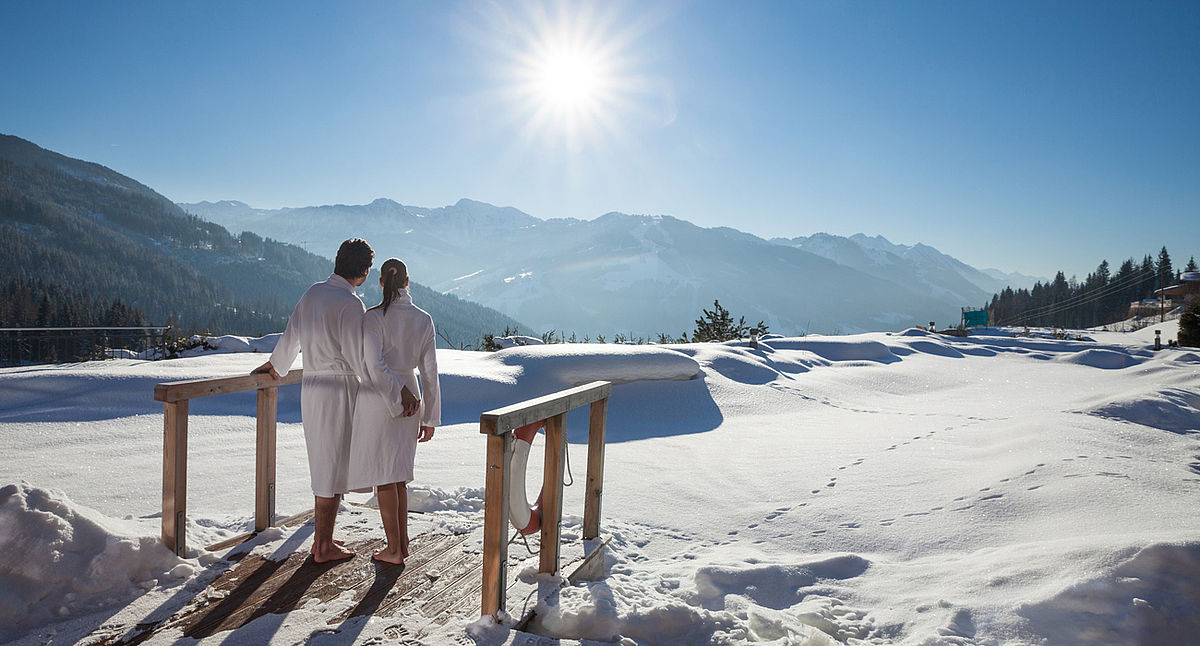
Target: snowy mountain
[[632, 274], [918, 264]]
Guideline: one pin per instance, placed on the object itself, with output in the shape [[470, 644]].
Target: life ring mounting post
[[500, 491]]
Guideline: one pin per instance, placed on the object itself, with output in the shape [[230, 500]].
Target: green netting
[[975, 318]]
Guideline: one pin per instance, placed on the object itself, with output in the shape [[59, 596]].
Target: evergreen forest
[[82, 245], [1103, 298]]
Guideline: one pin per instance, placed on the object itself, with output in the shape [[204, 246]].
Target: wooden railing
[[498, 425], [175, 397]]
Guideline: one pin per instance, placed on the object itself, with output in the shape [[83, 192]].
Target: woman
[[398, 337]]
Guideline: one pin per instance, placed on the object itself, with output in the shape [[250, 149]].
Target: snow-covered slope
[[887, 488], [636, 275]]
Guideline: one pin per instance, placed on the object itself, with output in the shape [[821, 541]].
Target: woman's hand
[[425, 434], [410, 402]]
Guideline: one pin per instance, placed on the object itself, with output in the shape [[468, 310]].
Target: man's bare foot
[[332, 553], [388, 555], [313, 550]]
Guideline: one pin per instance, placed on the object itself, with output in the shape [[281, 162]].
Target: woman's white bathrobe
[[327, 326], [394, 345]]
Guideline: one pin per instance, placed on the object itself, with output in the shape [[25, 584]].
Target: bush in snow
[[718, 325]]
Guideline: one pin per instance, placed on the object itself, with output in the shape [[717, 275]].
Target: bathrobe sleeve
[[350, 323], [377, 372], [431, 392], [288, 345]]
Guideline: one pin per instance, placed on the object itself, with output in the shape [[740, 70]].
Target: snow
[[64, 559], [879, 488]]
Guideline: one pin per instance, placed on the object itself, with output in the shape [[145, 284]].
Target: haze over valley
[[639, 275]]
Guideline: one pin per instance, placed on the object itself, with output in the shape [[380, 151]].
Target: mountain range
[[639, 275], [89, 229]]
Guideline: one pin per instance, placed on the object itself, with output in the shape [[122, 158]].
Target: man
[[327, 327]]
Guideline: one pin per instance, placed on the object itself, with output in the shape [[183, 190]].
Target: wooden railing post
[[552, 491], [264, 459], [174, 502], [594, 494], [175, 397], [495, 517], [497, 426]]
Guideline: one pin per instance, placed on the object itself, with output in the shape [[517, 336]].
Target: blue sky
[[1027, 136]]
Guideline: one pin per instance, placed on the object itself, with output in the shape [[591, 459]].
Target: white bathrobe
[[327, 326], [394, 345]]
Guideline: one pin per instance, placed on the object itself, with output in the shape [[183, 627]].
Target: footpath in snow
[[885, 488]]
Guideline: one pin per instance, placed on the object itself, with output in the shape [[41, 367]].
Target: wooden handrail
[[175, 396], [503, 420], [175, 391], [497, 425]]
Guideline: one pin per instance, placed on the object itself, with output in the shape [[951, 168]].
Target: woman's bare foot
[[333, 552], [389, 555]]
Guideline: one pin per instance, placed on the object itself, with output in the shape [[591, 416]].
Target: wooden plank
[[552, 490], [495, 521], [503, 420], [174, 501], [592, 567], [294, 519], [431, 555], [264, 459], [594, 493], [191, 389]]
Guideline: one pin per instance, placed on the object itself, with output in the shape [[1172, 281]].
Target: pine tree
[[1189, 326], [1166, 273], [718, 325], [1191, 266]]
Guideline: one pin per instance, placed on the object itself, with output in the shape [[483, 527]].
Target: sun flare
[[566, 72]]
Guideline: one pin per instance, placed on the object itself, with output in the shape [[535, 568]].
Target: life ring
[[524, 518]]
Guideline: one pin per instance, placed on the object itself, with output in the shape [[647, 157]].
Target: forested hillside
[[1102, 298], [81, 229]]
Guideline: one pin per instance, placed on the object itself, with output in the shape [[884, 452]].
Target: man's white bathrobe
[[327, 326], [394, 345]]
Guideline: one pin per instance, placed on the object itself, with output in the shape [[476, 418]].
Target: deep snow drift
[[880, 488]]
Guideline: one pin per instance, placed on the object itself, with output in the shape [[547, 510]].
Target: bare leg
[[394, 528], [325, 515], [402, 511]]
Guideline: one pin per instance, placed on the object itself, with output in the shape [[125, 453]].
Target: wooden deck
[[441, 578]]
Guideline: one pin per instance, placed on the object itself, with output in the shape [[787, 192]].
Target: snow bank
[[430, 499], [772, 585], [1103, 358], [1173, 409], [839, 349], [62, 559], [1149, 599], [230, 343], [580, 363], [517, 340]]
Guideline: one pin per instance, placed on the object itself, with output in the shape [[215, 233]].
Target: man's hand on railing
[[267, 369], [411, 402]]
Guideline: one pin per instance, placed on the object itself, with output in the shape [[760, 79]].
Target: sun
[[569, 81], [564, 71]]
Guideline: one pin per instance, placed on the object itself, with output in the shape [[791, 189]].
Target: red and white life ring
[[525, 518]]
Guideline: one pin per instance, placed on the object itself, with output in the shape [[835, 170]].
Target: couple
[[361, 419]]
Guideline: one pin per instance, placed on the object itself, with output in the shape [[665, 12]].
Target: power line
[[1082, 299]]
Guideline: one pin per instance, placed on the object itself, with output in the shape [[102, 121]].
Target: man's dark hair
[[354, 259]]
